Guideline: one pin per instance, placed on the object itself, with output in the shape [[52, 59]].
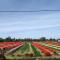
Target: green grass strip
[[24, 48], [37, 53]]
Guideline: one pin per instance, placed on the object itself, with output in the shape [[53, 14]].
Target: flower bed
[[43, 50], [9, 44]]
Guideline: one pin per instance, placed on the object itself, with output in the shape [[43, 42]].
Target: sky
[[30, 24]]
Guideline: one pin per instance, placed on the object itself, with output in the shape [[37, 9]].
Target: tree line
[[27, 39]]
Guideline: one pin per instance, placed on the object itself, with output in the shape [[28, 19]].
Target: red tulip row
[[43, 49], [9, 44], [50, 49]]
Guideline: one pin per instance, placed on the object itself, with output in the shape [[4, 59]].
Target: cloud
[[26, 28], [31, 22]]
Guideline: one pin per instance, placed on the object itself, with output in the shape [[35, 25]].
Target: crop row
[[9, 44], [39, 49], [47, 50], [52, 43]]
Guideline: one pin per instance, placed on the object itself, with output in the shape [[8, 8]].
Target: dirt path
[[13, 49]]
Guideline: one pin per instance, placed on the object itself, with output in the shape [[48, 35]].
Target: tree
[[1, 40], [8, 39], [52, 39], [43, 39]]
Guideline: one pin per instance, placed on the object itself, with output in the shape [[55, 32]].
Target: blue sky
[[30, 24]]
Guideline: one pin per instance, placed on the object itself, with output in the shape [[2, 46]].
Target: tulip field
[[31, 50]]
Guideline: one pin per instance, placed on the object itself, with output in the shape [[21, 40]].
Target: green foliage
[[24, 48], [1, 40], [37, 53], [42, 39], [27, 39]]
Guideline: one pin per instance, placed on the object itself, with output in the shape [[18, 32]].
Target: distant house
[[58, 40]]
